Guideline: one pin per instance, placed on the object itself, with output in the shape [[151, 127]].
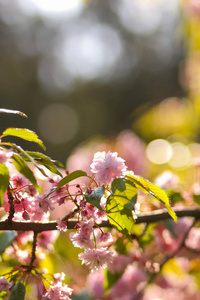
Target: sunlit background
[[118, 75], [87, 70]]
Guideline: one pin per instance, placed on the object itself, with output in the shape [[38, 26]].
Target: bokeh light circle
[[181, 156], [58, 6], [159, 151]]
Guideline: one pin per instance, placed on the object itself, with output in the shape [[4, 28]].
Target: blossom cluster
[[109, 194], [30, 205]]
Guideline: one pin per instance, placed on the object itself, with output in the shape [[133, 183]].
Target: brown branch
[[71, 214], [150, 217], [11, 210], [33, 255]]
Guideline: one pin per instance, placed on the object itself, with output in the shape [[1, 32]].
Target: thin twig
[[33, 255], [71, 214]]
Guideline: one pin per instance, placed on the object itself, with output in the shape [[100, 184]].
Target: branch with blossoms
[[107, 199], [148, 218]]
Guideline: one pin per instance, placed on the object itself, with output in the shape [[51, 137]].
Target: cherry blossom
[[58, 291], [81, 238], [18, 181], [96, 258], [44, 204], [62, 226], [107, 166]]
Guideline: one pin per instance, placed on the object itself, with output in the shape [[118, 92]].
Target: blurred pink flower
[[5, 156], [167, 180], [128, 284], [96, 258], [46, 239], [133, 150], [193, 240], [58, 277], [107, 166], [127, 144], [192, 7], [5, 285], [58, 291], [119, 264], [95, 282]]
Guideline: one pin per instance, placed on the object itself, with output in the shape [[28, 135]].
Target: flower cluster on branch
[[118, 221]]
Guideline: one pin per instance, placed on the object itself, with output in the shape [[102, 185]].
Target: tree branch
[[33, 255], [149, 217], [11, 210]]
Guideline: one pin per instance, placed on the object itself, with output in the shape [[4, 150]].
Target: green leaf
[[95, 197], [196, 198], [145, 239], [24, 169], [12, 145], [6, 239], [38, 155], [15, 112], [175, 196], [153, 190], [70, 177], [120, 205], [4, 181], [18, 292], [44, 160], [24, 134], [121, 245], [111, 279]]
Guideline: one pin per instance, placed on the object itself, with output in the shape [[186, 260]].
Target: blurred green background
[[84, 68]]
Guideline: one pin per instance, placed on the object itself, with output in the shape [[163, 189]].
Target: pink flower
[[96, 258], [58, 291], [44, 204], [58, 277], [62, 226], [81, 238], [81, 241], [103, 239], [95, 284], [5, 285], [193, 239], [119, 263], [128, 284], [5, 156], [19, 181], [107, 166], [47, 238]]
